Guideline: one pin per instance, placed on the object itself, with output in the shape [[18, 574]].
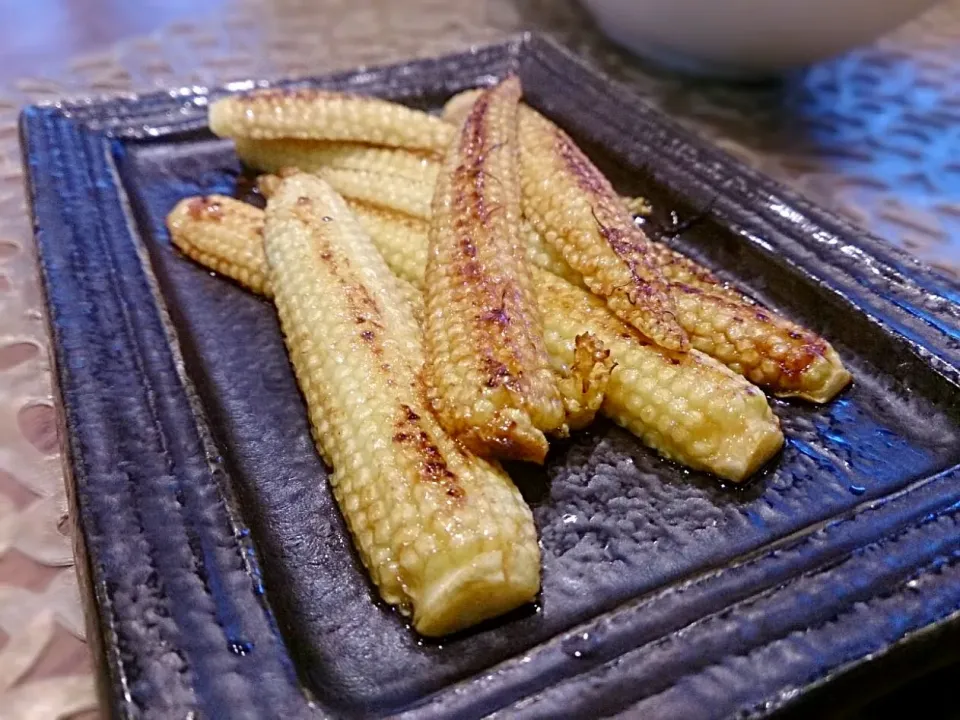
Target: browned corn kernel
[[686, 406], [215, 230], [628, 407], [443, 534], [583, 384], [490, 375], [401, 239], [314, 155], [324, 115], [569, 201]]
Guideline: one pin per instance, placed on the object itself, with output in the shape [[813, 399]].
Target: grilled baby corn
[[224, 235], [444, 535], [323, 115], [766, 348], [312, 155], [580, 330], [687, 406], [385, 191], [492, 385], [401, 239], [583, 384], [772, 352], [569, 201], [234, 248]]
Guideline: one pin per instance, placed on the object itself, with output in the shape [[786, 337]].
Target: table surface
[[872, 134]]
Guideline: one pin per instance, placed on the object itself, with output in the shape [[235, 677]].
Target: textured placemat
[[872, 135]]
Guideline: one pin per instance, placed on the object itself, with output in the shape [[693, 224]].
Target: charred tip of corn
[[584, 386], [509, 435], [822, 380]]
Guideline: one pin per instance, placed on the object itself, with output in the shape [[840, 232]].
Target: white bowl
[[747, 38]]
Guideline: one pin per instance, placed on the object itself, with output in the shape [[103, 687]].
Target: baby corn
[[311, 114], [686, 406], [579, 333], [569, 201], [224, 235], [771, 351], [492, 385], [444, 535], [385, 191], [236, 251], [313, 156], [766, 348], [401, 239]]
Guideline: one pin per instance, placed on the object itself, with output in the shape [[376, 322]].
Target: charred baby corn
[[492, 385], [769, 350], [224, 235], [313, 155], [323, 115], [574, 207], [686, 406], [445, 535], [584, 340]]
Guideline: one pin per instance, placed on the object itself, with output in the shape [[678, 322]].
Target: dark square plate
[[222, 578]]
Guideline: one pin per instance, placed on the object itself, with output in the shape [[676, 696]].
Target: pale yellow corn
[[445, 535], [486, 363], [571, 313], [686, 406], [385, 191], [313, 155], [544, 255], [569, 201], [323, 115], [224, 235], [401, 239]]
